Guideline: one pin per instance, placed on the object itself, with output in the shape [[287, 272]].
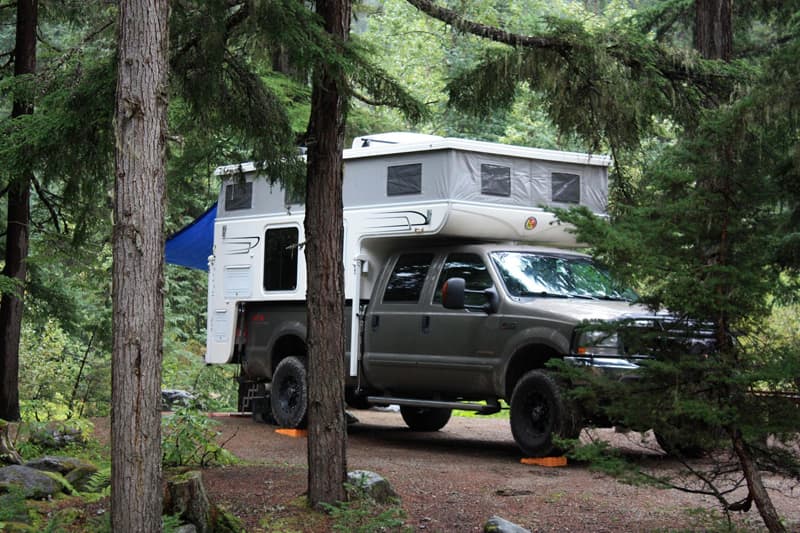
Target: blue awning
[[191, 246]]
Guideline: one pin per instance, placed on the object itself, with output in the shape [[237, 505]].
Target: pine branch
[[50, 208], [49, 73], [668, 66], [448, 16]]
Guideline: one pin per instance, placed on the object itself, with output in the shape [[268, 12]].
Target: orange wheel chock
[[544, 461], [292, 432]]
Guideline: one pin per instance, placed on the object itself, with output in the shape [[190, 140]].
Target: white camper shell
[[396, 187]]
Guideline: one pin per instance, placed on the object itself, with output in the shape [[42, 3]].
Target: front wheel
[[538, 412], [425, 418], [289, 394]]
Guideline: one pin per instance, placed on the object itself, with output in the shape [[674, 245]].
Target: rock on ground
[[34, 483], [373, 485]]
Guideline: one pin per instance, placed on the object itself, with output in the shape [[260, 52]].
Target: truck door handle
[[426, 324], [375, 322]]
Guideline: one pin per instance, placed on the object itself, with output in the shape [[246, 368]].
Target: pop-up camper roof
[[401, 168], [481, 190]]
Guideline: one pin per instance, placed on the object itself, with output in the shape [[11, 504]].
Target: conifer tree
[[138, 293], [698, 231], [18, 219], [324, 225]]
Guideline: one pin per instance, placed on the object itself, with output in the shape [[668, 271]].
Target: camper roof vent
[[396, 137]]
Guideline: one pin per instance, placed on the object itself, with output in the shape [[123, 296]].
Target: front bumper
[[606, 364]]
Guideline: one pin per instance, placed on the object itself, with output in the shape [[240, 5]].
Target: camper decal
[[530, 223]]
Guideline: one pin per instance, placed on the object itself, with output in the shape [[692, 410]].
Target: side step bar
[[491, 407]]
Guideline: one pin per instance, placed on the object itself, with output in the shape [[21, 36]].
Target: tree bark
[[713, 30], [327, 436], [755, 485], [18, 217], [138, 272]]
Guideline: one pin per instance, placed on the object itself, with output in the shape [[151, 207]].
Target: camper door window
[[280, 259]]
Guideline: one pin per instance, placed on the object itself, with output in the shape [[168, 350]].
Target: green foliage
[[14, 506], [189, 438], [171, 523], [99, 485], [363, 515], [72, 437], [603, 458]]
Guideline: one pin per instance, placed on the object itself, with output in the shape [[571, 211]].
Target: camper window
[[238, 196], [566, 188], [408, 278], [404, 179], [495, 180], [280, 259]]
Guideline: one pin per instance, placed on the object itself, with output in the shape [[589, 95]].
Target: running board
[[492, 406]]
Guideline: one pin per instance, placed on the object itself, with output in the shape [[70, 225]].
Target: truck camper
[[460, 285]]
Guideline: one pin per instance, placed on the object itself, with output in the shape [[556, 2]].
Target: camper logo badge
[[530, 223]]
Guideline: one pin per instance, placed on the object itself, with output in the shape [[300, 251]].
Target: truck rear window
[[408, 278]]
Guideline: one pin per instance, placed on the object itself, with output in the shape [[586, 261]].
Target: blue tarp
[[191, 246]]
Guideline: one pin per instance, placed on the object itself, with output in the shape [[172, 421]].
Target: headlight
[[600, 343]]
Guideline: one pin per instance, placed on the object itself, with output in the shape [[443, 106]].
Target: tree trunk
[[714, 40], [755, 485], [713, 31], [18, 216], [138, 272], [327, 437], [8, 455]]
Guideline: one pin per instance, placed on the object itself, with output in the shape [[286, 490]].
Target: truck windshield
[[531, 274]]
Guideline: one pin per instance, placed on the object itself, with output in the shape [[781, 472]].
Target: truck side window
[[408, 278], [280, 259], [472, 269]]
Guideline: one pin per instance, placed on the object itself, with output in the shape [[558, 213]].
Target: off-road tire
[[425, 418], [289, 393], [539, 411]]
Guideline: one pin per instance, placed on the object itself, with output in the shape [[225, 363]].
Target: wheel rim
[[289, 394], [537, 412]]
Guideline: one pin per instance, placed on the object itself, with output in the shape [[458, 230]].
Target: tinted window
[[280, 259], [472, 269], [404, 179], [238, 196], [408, 278], [495, 180], [566, 188]]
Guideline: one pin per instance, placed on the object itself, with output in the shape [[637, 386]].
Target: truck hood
[[578, 309]]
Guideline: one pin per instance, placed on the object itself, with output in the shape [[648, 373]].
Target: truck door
[[415, 345], [394, 325]]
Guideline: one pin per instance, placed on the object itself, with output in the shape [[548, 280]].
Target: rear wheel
[[425, 418], [289, 393], [539, 411]]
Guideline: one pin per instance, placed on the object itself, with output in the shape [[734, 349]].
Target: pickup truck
[[459, 326]]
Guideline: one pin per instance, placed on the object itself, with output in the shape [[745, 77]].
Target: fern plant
[[189, 438]]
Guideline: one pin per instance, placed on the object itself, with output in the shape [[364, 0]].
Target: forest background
[[65, 349], [229, 79]]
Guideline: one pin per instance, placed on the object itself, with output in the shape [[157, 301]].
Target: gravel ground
[[456, 478]]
